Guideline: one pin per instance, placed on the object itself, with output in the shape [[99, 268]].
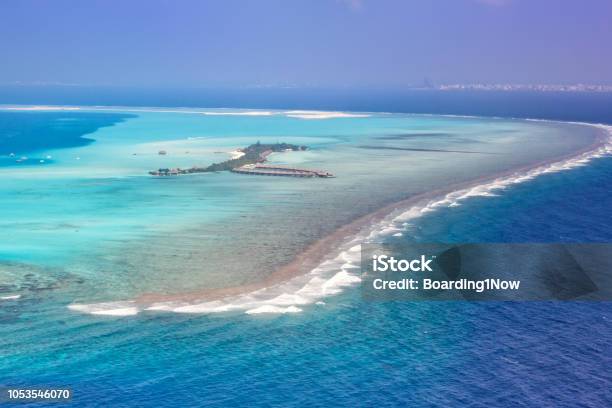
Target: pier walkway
[[269, 170]]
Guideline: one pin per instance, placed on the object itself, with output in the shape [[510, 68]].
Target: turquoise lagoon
[[89, 228], [83, 238]]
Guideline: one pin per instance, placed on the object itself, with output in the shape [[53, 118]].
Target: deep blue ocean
[[370, 354], [355, 353], [24, 132], [27, 131]]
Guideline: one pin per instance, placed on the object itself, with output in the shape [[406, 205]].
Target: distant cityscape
[[526, 87]]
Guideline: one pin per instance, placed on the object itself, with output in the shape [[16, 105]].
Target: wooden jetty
[[269, 170]]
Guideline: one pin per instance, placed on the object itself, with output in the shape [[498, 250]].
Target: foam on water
[[330, 278], [298, 114], [273, 309], [333, 276], [245, 113], [454, 198], [124, 308], [323, 281], [10, 297], [307, 114], [42, 108]]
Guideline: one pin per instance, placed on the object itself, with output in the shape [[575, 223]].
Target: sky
[[304, 43]]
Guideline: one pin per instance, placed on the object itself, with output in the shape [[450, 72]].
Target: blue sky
[[324, 43]]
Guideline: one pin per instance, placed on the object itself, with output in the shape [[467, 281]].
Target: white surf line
[[273, 309], [239, 113], [122, 308], [221, 111], [310, 115], [300, 114], [253, 112], [331, 277], [454, 199], [10, 297], [41, 108]]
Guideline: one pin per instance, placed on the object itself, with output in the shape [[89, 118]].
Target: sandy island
[[236, 154]]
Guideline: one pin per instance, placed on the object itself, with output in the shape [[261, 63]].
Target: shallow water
[[337, 350], [96, 217]]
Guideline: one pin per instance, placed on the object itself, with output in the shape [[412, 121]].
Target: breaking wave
[[334, 275], [10, 297], [308, 114], [125, 308], [489, 189]]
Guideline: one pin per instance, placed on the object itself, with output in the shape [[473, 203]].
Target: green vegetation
[[255, 153]]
